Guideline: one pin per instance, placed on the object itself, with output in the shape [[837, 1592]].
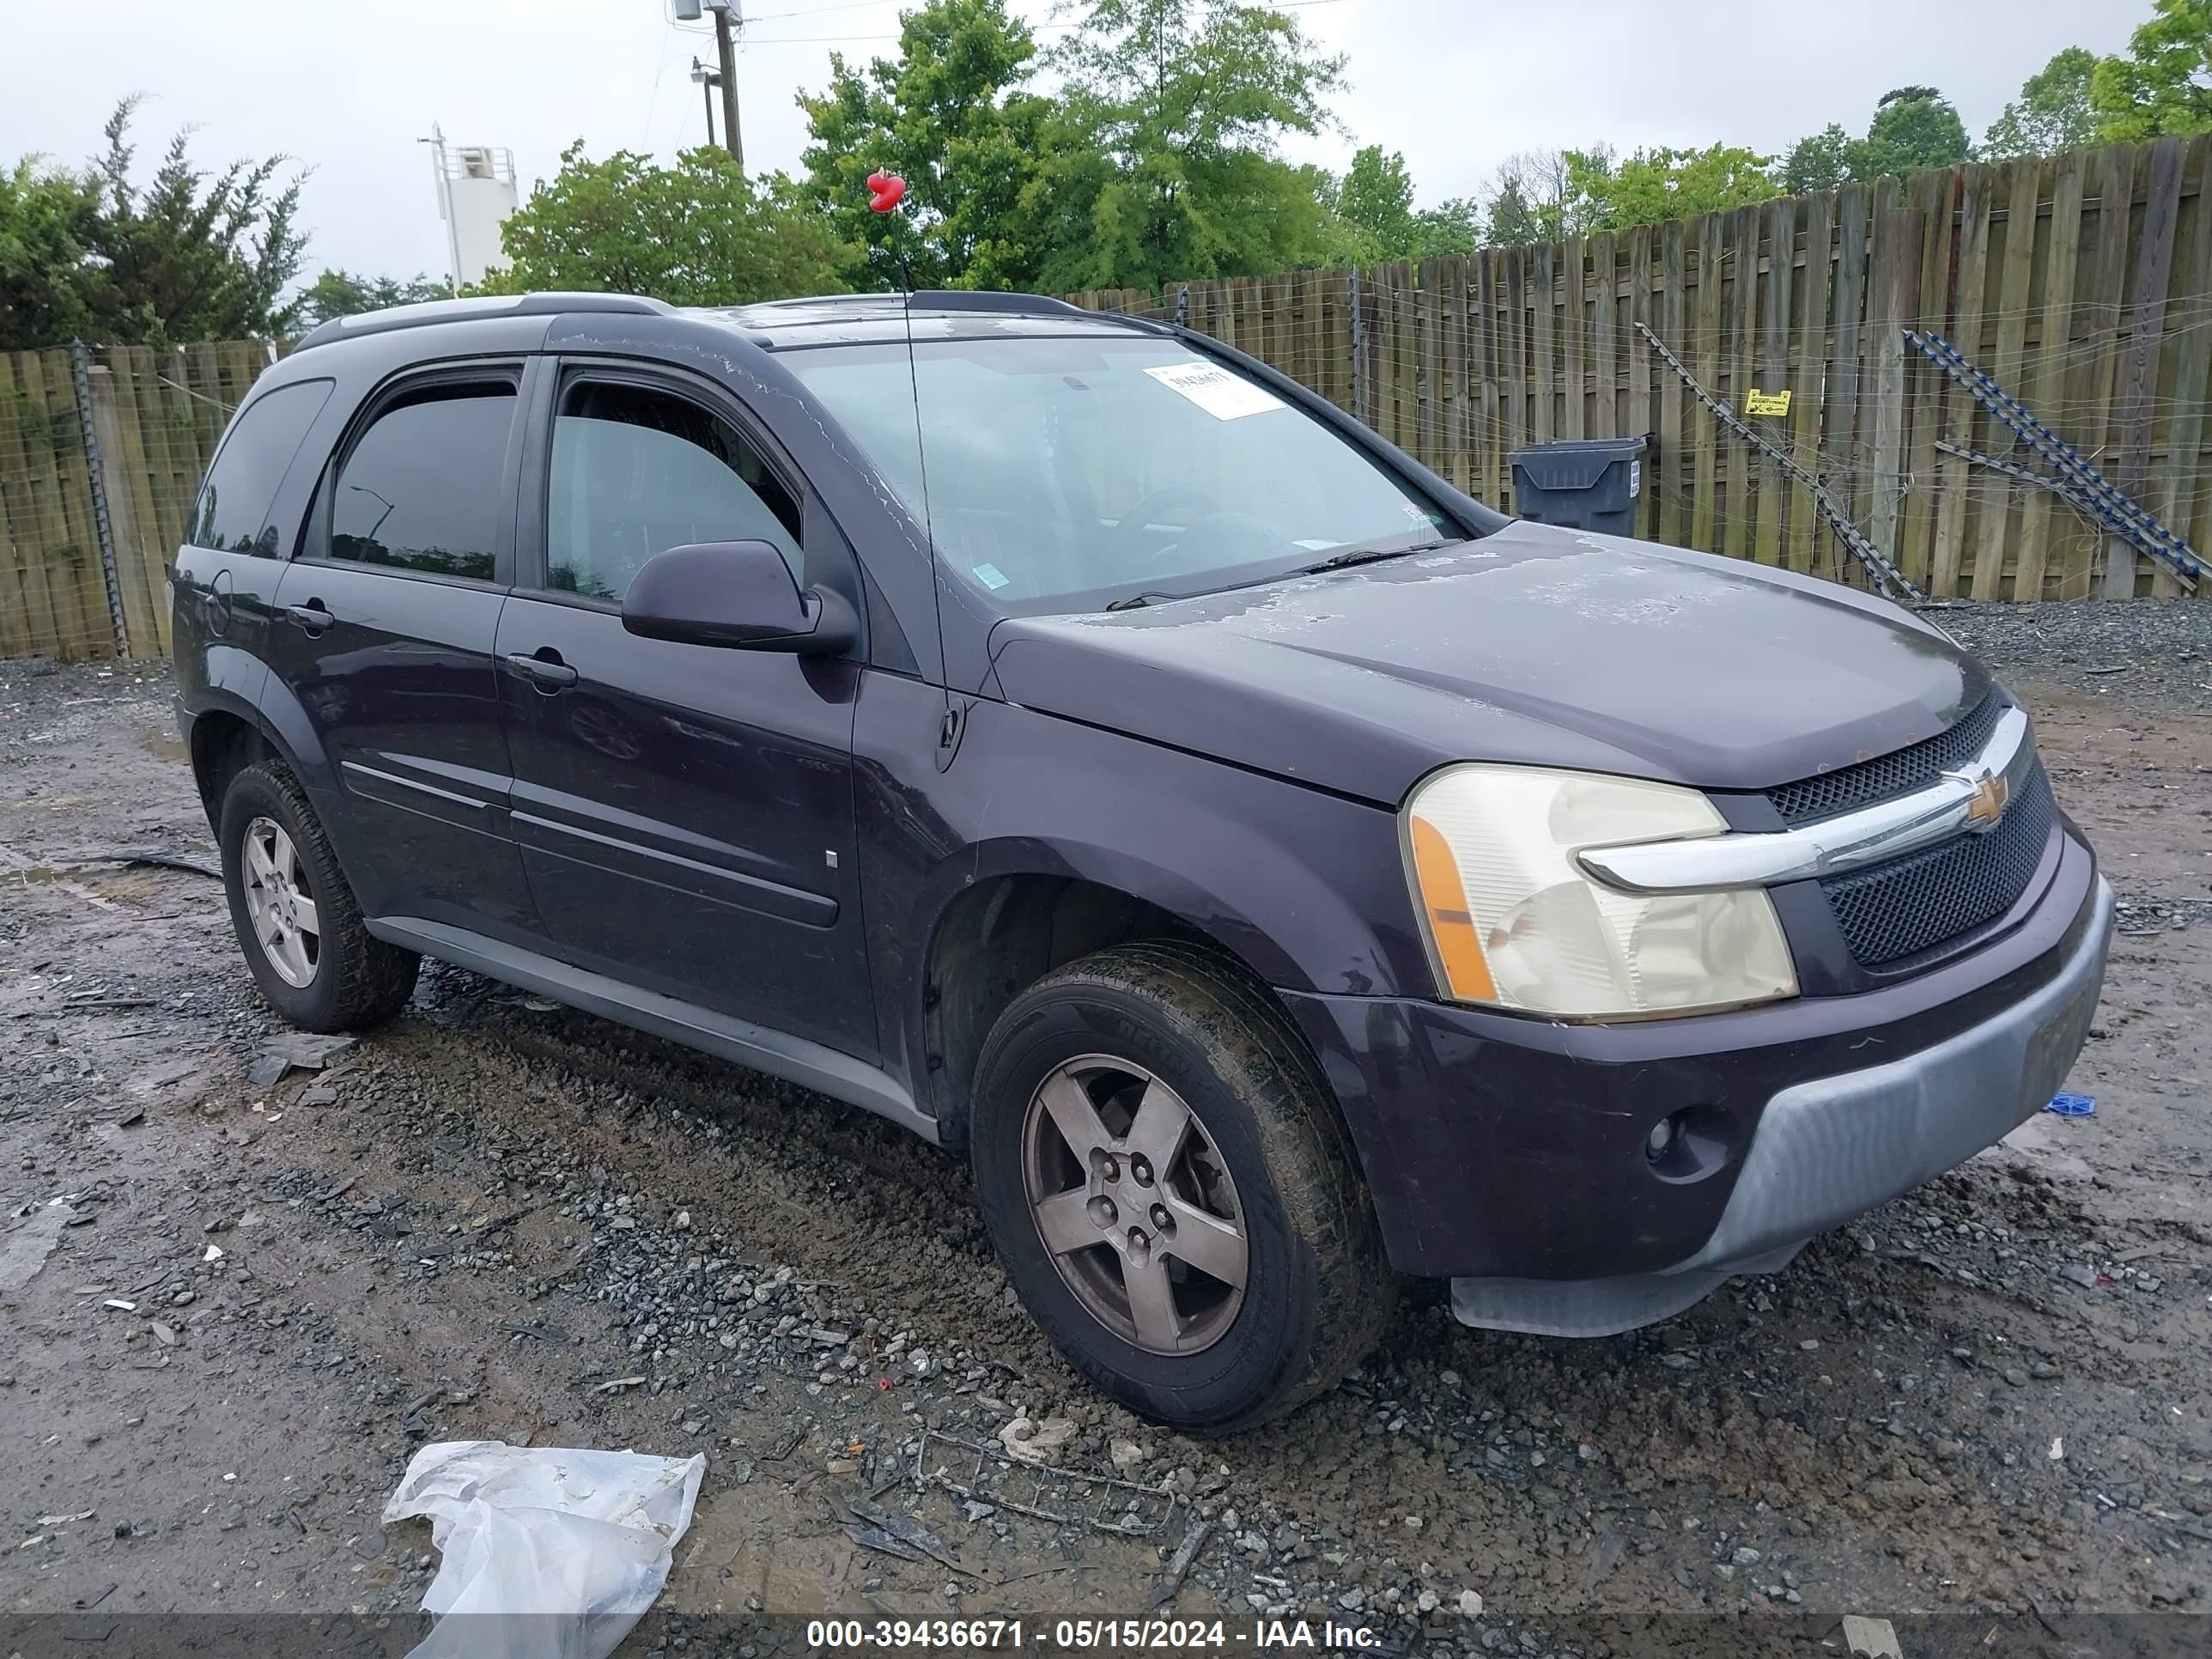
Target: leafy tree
[[46, 216], [697, 233], [1452, 226], [2160, 86], [341, 294], [1655, 185], [1376, 197], [1818, 161], [1913, 127], [952, 116], [1541, 195], [2052, 112], [185, 255], [1512, 222], [1166, 162]]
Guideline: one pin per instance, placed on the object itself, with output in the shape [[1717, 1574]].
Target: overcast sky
[[348, 88]]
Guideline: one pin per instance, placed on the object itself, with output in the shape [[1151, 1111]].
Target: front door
[[685, 813], [384, 629]]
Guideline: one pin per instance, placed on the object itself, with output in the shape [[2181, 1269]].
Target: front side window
[[231, 515], [636, 471], [1064, 471], [423, 488]]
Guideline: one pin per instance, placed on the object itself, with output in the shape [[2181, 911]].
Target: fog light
[[1660, 1138]]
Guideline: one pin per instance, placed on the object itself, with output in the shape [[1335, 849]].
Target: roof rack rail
[[962, 299], [426, 312]]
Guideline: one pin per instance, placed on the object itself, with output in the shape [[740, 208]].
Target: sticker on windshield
[[1224, 395], [991, 576]]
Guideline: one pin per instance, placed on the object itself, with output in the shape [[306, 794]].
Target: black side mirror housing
[[736, 594]]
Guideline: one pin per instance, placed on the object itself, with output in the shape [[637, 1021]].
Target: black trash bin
[[1585, 484]]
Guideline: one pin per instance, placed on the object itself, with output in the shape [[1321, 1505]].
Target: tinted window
[[635, 472], [232, 509], [422, 489]]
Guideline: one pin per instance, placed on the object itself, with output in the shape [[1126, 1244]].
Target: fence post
[[80, 361], [1359, 353]]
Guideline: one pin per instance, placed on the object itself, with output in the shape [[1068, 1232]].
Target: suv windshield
[[1066, 472]]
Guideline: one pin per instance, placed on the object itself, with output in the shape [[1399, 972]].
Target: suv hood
[[1535, 644]]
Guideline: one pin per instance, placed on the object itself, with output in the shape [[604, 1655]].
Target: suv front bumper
[[1508, 1155]]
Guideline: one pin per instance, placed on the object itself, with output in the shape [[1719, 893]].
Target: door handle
[[549, 672], [311, 615]]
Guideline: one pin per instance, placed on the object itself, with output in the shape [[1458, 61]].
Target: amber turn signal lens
[[1451, 924]]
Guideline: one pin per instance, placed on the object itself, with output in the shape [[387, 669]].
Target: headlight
[[1513, 921]]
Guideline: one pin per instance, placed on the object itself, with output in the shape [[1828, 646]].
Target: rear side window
[[422, 489], [232, 513]]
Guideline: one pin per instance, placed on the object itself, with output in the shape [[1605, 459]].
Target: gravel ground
[[498, 1219]]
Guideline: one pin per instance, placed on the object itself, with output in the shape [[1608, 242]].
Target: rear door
[[686, 813], [384, 631]]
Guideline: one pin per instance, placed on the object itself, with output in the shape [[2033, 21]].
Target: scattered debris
[[2073, 1105], [1036, 1442], [26, 1250], [1875, 1639], [1178, 1566], [910, 1532], [1058, 1495], [580, 1541], [618, 1384]]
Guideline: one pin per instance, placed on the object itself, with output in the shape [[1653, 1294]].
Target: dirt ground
[[497, 1218]]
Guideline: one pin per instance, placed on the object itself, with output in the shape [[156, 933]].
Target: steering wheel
[[1132, 525], [1266, 537]]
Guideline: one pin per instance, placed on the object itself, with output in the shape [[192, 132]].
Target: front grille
[[1850, 786], [1895, 912]]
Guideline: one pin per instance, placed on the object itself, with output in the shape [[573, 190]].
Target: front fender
[[1305, 888]]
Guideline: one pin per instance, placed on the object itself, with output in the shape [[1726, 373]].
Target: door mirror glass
[[735, 593]]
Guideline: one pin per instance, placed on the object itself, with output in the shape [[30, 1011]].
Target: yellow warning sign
[[1756, 402]]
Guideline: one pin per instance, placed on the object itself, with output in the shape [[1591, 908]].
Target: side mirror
[[736, 593]]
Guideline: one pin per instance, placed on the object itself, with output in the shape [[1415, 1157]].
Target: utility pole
[[728, 19], [708, 80]]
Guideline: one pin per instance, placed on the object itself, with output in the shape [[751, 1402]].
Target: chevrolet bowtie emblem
[[1987, 804]]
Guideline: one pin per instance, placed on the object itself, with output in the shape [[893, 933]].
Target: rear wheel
[[296, 919], [1172, 1192]]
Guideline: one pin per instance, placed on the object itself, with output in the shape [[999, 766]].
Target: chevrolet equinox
[[1276, 872]]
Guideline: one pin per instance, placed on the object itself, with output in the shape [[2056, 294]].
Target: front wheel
[[1173, 1193]]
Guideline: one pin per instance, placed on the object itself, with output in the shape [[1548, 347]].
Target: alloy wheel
[[279, 904], [1135, 1205]]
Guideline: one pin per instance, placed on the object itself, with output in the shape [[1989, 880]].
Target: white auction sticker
[[1224, 395]]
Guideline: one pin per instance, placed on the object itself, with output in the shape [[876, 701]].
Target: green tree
[[2163, 82], [1652, 187], [699, 233], [2052, 112], [1376, 197], [952, 115], [46, 218], [341, 294], [1913, 127], [1166, 165], [1452, 226], [187, 255], [1818, 161], [1512, 220]]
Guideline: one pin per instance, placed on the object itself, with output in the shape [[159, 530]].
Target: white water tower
[[475, 193]]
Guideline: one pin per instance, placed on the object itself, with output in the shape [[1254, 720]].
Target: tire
[[1318, 1290], [353, 980]]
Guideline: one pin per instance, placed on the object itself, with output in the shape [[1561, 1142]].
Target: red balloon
[[885, 191]]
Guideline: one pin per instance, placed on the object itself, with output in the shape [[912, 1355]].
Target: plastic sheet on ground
[[546, 1550]]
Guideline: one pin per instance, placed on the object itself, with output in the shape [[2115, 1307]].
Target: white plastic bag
[[546, 1550]]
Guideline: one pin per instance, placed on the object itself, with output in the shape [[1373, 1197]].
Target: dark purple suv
[[1277, 873]]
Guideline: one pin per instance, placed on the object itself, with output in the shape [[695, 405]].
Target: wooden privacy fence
[[101, 455], [2082, 281]]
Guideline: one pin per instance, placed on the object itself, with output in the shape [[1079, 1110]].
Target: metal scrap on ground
[[1055, 1494]]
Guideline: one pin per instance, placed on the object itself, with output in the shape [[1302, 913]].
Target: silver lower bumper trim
[[1832, 1149]]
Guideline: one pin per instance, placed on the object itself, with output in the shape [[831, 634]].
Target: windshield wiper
[[1352, 555], [1138, 601]]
